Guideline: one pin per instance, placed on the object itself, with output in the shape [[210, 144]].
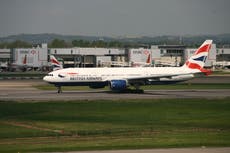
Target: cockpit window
[[61, 76], [50, 75]]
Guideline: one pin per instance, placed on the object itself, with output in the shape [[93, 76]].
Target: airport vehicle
[[119, 79]]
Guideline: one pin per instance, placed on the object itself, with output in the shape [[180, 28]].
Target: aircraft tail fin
[[197, 60], [24, 60], [148, 61], [55, 63]]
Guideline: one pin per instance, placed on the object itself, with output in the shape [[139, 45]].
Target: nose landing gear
[[59, 89]]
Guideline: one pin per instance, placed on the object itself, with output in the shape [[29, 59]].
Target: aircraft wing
[[155, 77]]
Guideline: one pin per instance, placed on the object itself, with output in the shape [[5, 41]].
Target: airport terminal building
[[4, 58], [90, 57], [162, 55]]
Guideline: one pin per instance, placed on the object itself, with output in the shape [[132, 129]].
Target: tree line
[[58, 43], [15, 44]]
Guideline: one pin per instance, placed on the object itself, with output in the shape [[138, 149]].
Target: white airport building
[[31, 57], [4, 58], [90, 57], [223, 58], [176, 55], [162, 55]]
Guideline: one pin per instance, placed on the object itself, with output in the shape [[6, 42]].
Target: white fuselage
[[82, 76]]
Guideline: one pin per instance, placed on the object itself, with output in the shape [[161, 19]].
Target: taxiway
[[23, 90]]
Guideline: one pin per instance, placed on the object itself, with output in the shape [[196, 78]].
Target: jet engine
[[118, 85]]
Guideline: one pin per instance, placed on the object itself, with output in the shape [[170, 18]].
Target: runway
[[29, 94], [23, 90]]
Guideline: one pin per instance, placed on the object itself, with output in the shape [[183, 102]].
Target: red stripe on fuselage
[[196, 66], [193, 65], [72, 73]]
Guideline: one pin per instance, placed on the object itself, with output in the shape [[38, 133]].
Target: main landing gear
[[137, 89], [133, 91]]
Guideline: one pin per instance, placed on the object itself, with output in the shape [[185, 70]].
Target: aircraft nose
[[46, 78]]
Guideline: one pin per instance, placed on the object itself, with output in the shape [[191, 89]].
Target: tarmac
[[23, 90]]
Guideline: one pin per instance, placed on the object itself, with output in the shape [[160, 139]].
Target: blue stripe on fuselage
[[79, 83]]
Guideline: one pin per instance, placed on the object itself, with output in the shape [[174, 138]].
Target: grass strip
[[124, 124]]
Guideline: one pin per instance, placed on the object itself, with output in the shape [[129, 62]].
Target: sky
[[130, 18]]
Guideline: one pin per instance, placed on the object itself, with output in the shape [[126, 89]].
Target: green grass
[[221, 72], [23, 74], [190, 86], [126, 124]]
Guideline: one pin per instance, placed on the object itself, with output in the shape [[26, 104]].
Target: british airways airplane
[[119, 79], [56, 65]]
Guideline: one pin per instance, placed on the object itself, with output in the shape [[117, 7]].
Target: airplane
[[120, 79], [23, 66], [56, 65], [142, 64]]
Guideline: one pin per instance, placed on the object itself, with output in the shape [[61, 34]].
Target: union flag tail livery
[[55, 63], [197, 61], [119, 79]]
